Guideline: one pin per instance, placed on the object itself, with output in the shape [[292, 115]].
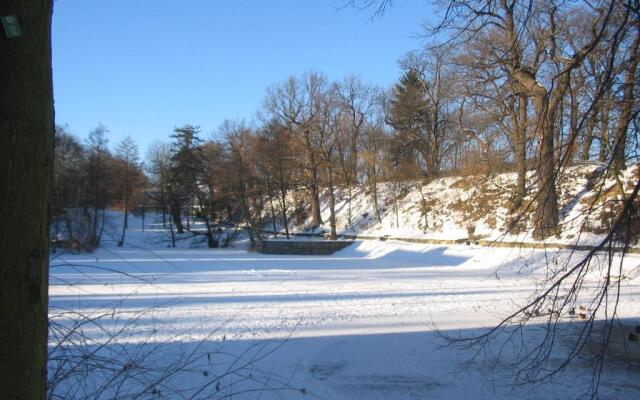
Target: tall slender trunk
[[273, 211], [374, 194], [254, 226], [283, 205], [332, 206], [626, 108], [353, 178], [571, 144], [125, 223], [94, 227], [587, 136], [126, 207], [350, 193], [102, 224], [27, 126], [521, 149], [124, 227], [316, 218], [558, 129], [177, 217], [173, 235], [603, 152]]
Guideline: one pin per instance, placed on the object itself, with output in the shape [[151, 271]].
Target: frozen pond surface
[[359, 324]]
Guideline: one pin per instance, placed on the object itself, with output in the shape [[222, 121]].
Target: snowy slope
[[447, 208]]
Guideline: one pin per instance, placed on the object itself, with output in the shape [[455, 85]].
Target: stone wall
[[303, 247]]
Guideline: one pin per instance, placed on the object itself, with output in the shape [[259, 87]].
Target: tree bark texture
[[27, 129]]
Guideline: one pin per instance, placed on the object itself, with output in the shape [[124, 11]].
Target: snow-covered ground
[[448, 208], [360, 324]]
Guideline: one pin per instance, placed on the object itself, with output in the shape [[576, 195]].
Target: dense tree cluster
[[530, 88], [88, 179], [523, 87]]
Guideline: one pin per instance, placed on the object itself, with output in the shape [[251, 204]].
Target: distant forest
[[529, 88]]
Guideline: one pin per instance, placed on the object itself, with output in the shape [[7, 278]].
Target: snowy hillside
[[452, 208]]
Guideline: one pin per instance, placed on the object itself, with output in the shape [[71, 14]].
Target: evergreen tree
[[408, 114], [186, 163]]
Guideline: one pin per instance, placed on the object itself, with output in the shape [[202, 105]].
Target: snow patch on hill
[[453, 208]]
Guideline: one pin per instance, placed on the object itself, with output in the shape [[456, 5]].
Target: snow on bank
[[356, 325], [447, 208]]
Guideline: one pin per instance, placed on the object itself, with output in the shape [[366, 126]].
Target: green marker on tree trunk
[[11, 26]]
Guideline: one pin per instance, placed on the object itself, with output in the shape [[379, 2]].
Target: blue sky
[[141, 67]]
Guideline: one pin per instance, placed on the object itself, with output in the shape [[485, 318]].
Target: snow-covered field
[[360, 324]]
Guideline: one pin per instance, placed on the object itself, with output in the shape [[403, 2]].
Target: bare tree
[[127, 154], [97, 176], [295, 104], [358, 101], [244, 182]]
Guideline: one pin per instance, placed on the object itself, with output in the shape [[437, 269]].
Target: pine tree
[[408, 114], [186, 164]]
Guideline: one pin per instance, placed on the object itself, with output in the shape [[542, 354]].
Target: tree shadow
[[403, 365]]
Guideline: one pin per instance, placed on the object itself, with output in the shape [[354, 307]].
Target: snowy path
[[361, 321]]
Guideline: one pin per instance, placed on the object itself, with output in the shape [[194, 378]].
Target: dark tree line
[[88, 179]]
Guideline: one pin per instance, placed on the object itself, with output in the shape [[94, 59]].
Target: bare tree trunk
[[316, 218], [176, 217], [546, 211], [104, 218], [350, 193], [173, 235], [254, 226], [124, 227], [571, 144], [626, 108], [558, 129], [283, 207], [521, 150], [332, 206], [273, 211], [94, 228], [125, 224], [187, 212], [604, 128], [374, 194], [27, 126], [587, 136]]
